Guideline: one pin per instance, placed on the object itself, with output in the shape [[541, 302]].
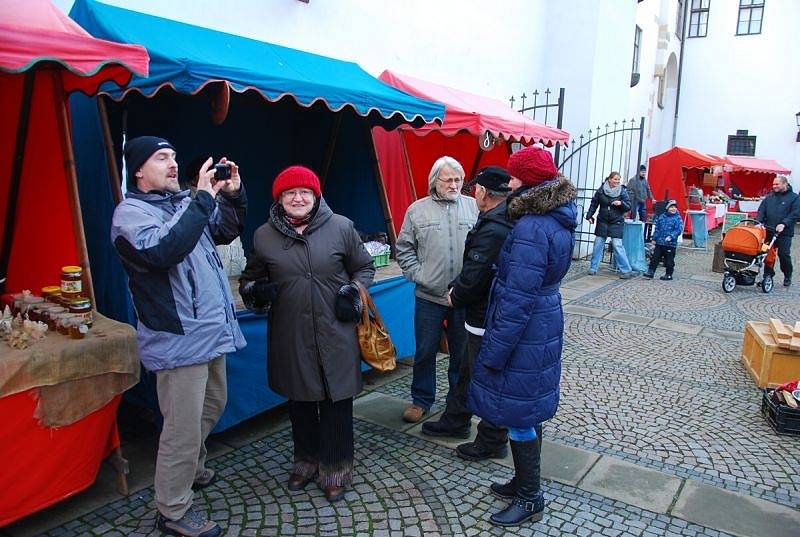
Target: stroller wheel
[[767, 283], [728, 283]]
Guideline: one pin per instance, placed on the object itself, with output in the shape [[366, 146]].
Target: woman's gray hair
[[440, 163]]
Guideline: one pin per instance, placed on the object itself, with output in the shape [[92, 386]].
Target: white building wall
[[747, 82]]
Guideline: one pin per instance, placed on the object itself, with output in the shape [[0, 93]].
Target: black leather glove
[[259, 295], [348, 306]]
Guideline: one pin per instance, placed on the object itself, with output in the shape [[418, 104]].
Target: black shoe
[[787, 281], [505, 491], [520, 511], [648, 275], [437, 428], [666, 277], [471, 451]]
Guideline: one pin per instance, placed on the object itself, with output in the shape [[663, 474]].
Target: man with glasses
[[430, 248]]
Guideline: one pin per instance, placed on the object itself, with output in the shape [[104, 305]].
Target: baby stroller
[[746, 254]]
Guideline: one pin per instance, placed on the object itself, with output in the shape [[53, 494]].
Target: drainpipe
[[680, 73]]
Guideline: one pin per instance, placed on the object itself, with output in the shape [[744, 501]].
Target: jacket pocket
[[193, 291]]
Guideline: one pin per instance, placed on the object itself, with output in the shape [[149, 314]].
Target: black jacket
[[783, 208], [609, 217], [481, 249]]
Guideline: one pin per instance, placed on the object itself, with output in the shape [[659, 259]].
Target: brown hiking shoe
[[413, 413]]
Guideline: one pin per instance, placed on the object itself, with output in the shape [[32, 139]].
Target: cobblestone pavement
[[403, 486]]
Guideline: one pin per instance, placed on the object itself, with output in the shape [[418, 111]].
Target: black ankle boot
[[528, 502]]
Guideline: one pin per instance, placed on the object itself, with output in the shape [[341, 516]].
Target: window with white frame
[[698, 20], [637, 47], [751, 13]]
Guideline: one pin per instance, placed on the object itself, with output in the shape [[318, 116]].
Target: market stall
[[58, 396], [477, 131], [752, 178], [262, 105]]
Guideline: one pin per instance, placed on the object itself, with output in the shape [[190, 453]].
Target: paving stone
[[674, 326], [632, 484], [565, 464], [628, 318], [576, 309]]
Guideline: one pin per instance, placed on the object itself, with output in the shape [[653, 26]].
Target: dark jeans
[[457, 415], [323, 440], [428, 319], [641, 208], [665, 252], [784, 246]]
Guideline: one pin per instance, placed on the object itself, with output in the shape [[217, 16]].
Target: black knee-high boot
[[507, 491], [528, 502]]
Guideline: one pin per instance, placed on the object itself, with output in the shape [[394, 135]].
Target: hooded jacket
[[516, 380], [481, 250], [610, 218], [668, 225], [780, 208], [313, 355], [166, 241], [430, 246]]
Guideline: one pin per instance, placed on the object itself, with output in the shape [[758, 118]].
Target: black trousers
[[457, 415], [323, 440], [667, 253], [784, 246]]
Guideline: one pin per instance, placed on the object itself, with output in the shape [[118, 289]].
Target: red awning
[[36, 31], [467, 112], [669, 172], [756, 165]]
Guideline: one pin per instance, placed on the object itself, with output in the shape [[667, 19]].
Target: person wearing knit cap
[[430, 250], [303, 268], [639, 191], [667, 228], [611, 202], [516, 376], [184, 307]]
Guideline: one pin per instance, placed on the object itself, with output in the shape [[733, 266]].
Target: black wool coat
[[610, 218]]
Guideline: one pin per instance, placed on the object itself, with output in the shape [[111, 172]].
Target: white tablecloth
[[720, 209], [749, 206]]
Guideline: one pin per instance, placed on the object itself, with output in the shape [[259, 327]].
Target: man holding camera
[[185, 310]]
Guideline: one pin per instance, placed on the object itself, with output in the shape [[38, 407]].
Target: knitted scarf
[[612, 192]]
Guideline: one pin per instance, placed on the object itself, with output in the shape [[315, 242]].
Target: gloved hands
[[348, 306], [259, 295]]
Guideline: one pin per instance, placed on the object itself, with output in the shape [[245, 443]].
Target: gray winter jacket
[[181, 294], [430, 247]]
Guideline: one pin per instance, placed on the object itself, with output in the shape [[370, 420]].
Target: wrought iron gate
[[558, 104], [591, 157]]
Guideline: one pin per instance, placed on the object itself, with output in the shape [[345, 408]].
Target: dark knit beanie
[[532, 165], [642, 168], [138, 150], [296, 177]]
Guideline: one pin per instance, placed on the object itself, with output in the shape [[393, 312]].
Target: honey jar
[[49, 291], [71, 281], [51, 316], [82, 307], [77, 328], [28, 303], [62, 323]]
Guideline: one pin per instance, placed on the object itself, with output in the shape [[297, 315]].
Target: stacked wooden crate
[[771, 352]]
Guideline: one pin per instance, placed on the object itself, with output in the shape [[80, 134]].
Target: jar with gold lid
[[49, 291], [71, 281], [82, 307]]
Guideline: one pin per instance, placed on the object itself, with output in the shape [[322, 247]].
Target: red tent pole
[[62, 116], [16, 174]]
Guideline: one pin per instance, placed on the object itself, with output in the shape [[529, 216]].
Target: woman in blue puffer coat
[[517, 373]]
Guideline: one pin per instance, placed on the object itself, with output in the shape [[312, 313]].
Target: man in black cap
[[185, 311], [471, 290], [639, 191]]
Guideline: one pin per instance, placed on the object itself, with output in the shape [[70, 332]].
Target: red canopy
[[43, 56], [751, 175], [407, 154], [756, 165], [670, 172]]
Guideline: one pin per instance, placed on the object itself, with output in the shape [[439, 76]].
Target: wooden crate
[[769, 365]]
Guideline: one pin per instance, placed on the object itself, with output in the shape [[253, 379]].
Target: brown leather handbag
[[377, 348]]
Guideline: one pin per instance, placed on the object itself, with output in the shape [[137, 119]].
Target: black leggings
[[665, 252]]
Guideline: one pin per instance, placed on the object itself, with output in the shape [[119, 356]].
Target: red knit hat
[[296, 177], [532, 165]]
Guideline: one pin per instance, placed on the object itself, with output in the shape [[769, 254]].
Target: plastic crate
[[381, 260], [784, 420]]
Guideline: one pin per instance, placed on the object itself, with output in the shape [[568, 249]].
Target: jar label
[[71, 286]]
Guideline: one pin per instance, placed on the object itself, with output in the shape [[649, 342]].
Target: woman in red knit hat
[[302, 267]]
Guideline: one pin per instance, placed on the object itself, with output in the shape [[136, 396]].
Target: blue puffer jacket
[[667, 225], [517, 373]]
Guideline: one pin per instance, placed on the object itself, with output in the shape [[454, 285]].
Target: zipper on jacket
[[215, 262], [193, 285], [314, 321]]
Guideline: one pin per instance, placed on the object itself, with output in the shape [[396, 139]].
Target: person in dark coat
[[779, 212], [470, 290], [667, 229], [302, 259], [611, 202], [516, 378]]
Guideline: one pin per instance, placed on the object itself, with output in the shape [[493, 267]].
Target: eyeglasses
[[291, 194], [456, 181]]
